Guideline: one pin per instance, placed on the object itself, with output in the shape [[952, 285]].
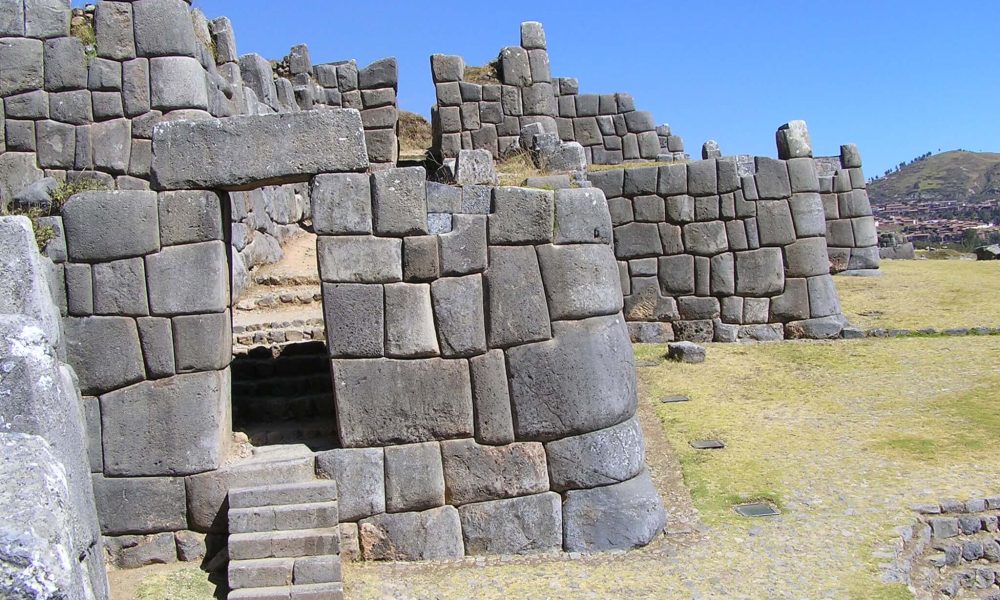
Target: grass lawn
[[914, 294]]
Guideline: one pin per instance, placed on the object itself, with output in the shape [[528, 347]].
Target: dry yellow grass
[[914, 294], [414, 134]]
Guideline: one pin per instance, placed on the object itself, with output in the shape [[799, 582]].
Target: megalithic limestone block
[[249, 151]]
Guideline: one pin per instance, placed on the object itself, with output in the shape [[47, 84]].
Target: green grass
[[915, 294]]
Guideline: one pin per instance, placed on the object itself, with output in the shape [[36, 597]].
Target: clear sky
[[897, 78]]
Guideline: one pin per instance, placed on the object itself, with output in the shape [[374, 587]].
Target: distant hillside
[[956, 175]]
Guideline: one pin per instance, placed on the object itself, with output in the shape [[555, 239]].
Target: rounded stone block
[[582, 380], [595, 459], [429, 535], [581, 280], [475, 473], [620, 516], [104, 351], [132, 215]]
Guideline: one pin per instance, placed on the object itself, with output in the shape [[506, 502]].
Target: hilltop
[[958, 175]]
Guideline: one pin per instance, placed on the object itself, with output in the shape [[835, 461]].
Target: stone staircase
[[284, 542]]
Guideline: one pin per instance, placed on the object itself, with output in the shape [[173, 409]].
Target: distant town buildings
[[939, 221]]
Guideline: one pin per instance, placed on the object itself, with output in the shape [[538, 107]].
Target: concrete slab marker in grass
[[673, 399], [756, 509], [707, 444]]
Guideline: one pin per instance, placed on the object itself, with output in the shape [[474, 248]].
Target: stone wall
[[851, 235], [297, 84], [706, 254], [74, 110], [480, 374], [490, 116], [49, 532]]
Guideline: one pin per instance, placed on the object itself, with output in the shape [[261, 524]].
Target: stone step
[[316, 515], [284, 544], [281, 572], [279, 494], [321, 591], [318, 434]]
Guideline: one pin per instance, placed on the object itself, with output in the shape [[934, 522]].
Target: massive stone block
[[518, 312], [187, 279], [175, 426], [360, 477], [120, 288], [414, 479], [595, 459], [189, 217], [513, 526], [23, 281], [494, 423], [246, 151], [580, 381], [520, 216], [619, 516], [177, 82], [409, 321], [475, 473], [458, 311], [399, 202], [341, 203], [163, 28], [132, 215], [202, 342], [355, 319], [759, 272], [382, 401], [360, 259], [463, 249], [104, 351], [138, 505], [581, 280], [429, 535]]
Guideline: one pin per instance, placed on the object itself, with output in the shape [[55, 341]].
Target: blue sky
[[898, 79]]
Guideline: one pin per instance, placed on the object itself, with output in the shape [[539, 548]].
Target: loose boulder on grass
[[686, 352]]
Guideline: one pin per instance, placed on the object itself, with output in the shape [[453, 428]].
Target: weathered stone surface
[[409, 321], [163, 28], [676, 274], [120, 288], [202, 342], [759, 272], [104, 351], [23, 278], [355, 319], [429, 535], [398, 202], [239, 151], [806, 258], [515, 295], [494, 423], [793, 303], [135, 505], [774, 223], [475, 473], [802, 175], [187, 279], [40, 553], [772, 179], [341, 203], [636, 240], [521, 216], [134, 551], [269, 465], [702, 178], [686, 352], [381, 402], [156, 340], [380, 74], [189, 217], [414, 479], [446, 67], [580, 381], [24, 66], [475, 167], [458, 311], [421, 258], [817, 329], [360, 477], [190, 546], [793, 140], [705, 239], [808, 214], [599, 458], [619, 516], [133, 216], [513, 526], [177, 82], [581, 280], [360, 259], [174, 426]]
